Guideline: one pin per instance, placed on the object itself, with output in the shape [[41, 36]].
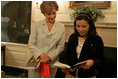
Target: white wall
[[64, 12], [106, 28]]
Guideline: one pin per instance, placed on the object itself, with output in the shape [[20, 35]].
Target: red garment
[[44, 70], [68, 75]]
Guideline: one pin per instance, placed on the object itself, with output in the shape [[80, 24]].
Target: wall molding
[[102, 28], [98, 24]]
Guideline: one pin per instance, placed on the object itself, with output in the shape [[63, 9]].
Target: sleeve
[[33, 41], [60, 46], [99, 53], [70, 55]]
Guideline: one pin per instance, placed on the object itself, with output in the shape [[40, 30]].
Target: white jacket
[[43, 41]]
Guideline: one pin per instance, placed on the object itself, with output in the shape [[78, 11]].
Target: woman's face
[[82, 27], [50, 17]]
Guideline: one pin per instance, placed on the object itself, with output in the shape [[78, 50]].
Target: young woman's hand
[[88, 64], [65, 70]]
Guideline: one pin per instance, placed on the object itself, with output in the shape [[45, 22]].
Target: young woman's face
[[82, 27], [50, 17]]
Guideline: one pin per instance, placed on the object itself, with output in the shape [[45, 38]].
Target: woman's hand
[[44, 58], [65, 70], [88, 64]]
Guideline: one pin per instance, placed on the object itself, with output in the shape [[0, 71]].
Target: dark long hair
[[86, 17]]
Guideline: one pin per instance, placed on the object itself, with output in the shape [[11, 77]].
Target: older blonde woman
[[47, 36]]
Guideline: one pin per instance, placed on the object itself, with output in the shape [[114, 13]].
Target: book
[[29, 59], [32, 63], [62, 65]]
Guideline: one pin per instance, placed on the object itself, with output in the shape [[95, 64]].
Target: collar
[[45, 28]]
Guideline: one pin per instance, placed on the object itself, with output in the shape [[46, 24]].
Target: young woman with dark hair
[[84, 45]]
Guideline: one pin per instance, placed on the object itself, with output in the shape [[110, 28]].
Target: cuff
[[92, 62]]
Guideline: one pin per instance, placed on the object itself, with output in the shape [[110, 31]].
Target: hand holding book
[[33, 62], [71, 68], [43, 68], [88, 64], [66, 68]]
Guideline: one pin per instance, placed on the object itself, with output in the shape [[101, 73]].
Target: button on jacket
[[43, 41]]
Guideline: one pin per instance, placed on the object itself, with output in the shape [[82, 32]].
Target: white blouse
[[79, 48]]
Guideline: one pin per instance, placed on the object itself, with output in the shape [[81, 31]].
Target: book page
[[61, 65], [83, 62]]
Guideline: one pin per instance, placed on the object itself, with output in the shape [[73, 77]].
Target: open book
[[62, 65]]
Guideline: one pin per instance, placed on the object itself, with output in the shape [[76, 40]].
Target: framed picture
[[15, 21], [97, 4]]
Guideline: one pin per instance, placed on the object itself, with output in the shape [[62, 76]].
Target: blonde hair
[[48, 6]]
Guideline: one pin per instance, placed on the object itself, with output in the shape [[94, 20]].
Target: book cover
[[32, 63]]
